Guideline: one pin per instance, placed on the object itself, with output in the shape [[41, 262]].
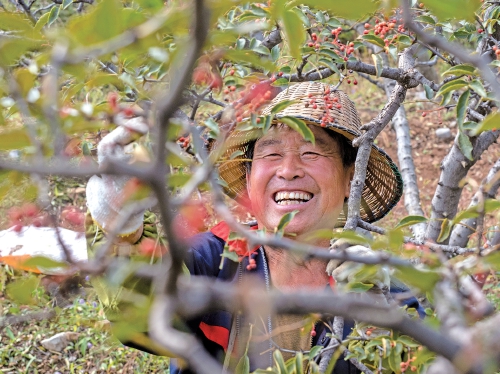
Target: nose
[[290, 167]]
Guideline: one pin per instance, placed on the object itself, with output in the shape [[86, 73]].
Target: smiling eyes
[[306, 156]]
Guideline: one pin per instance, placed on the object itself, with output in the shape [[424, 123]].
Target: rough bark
[[489, 186], [454, 168], [406, 165]]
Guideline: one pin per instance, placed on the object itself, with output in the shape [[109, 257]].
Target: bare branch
[[454, 168], [487, 190]]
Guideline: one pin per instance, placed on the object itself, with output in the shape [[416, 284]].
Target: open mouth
[[292, 198]]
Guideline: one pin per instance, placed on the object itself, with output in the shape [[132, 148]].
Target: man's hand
[[350, 272], [105, 192]]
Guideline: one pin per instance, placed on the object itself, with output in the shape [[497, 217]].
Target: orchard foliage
[[70, 71]]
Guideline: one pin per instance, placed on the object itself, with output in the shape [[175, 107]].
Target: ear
[[247, 176], [349, 175]]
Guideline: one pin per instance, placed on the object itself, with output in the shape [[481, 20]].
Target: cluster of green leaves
[[94, 350]]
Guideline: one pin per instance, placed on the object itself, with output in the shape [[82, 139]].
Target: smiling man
[[287, 173]]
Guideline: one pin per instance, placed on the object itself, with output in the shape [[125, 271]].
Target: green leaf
[[20, 290], [462, 108], [281, 82], [282, 105], [330, 64], [478, 87], [465, 214], [261, 49], [379, 64], [275, 53], [267, 124], [410, 220], [374, 39], [285, 220], [280, 363], [294, 31], [243, 366], [302, 16], [352, 9], [451, 86], [465, 145], [299, 126], [331, 54], [249, 57], [461, 70], [351, 236], [493, 259], [314, 352], [43, 262], [424, 280], [408, 341], [404, 41], [492, 122], [429, 92], [425, 19], [454, 9], [54, 13], [359, 287], [42, 21], [299, 363], [445, 230], [66, 3], [14, 139]]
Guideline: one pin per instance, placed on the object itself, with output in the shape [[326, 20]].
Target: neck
[[290, 272]]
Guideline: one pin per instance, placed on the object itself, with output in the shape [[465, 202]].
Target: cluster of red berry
[[27, 214], [407, 364], [328, 103], [497, 51], [251, 263], [251, 99], [383, 28], [183, 141]]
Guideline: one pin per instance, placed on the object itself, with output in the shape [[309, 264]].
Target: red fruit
[[315, 106], [226, 91], [113, 100], [239, 119], [129, 112], [355, 82], [310, 44], [18, 228], [314, 36], [339, 106], [367, 26], [345, 59], [334, 32], [313, 333], [147, 246], [280, 74], [366, 32], [480, 31], [348, 81], [30, 210], [424, 114], [257, 120], [232, 88], [15, 214], [231, 72], [497, 52]]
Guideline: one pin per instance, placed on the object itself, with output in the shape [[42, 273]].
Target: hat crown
[[318, 102]]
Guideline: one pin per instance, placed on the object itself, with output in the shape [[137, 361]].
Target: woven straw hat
[[383, 186]]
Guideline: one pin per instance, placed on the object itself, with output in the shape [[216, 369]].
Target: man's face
[[288, 173]]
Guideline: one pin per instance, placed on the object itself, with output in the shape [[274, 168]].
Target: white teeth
[[287, 198]]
